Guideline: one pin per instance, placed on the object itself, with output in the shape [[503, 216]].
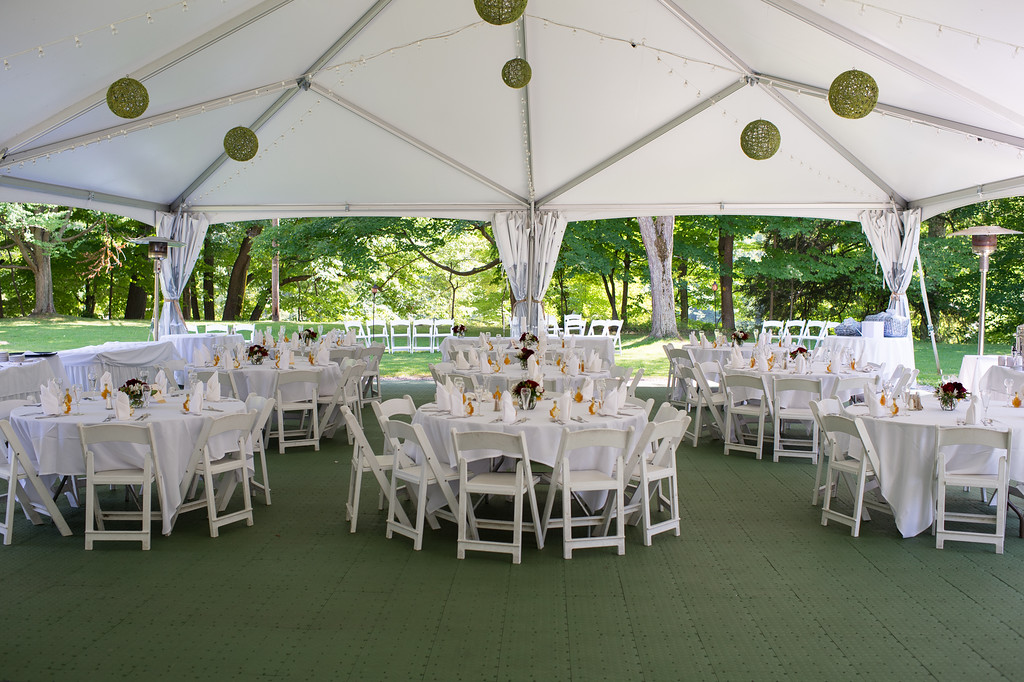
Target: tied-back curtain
[[894, 237], [177, 266], [513, 236]]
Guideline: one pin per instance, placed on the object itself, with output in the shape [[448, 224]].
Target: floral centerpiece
[[799, 351], [528, 340], [256, 353], [307, 335], [524, 354], [950, 393], [528, 398], [459, 330], [136, 390], [739, 336]]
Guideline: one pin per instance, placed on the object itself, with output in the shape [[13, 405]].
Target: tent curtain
[[894, 238], [177, 267], [529, 280]]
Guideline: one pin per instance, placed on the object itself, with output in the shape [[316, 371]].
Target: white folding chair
[[712, 397], [377, 332], [908, 379], [422, 329], [348, 392], [795, 329], [820, 408], [301, 407], [228, 468], [225, 379], [365, 461], [145, 475], [791, 417], [676, 357], [553, 328], [852, 457], [575, 325], [746, 408], [497, 447], [17, 469], [978, 461], [263, 407], [439, 371], [370, 390], [850, 390], [635, 381], [417, 477], [401, 335], [570, 483], [812, 333], [773, 328], [439, 331], [645, 405], [361, 335]]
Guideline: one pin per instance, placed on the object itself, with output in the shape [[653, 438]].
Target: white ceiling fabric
[[635, 107]]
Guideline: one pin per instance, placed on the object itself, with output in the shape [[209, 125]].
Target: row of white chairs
[[807, 333], [577, 325], [644, 480], [620, 374]]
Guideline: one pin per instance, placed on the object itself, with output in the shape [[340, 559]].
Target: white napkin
[[257, 338], [542, 343], [508, 410], [195, 400], [350, 338], [693, 339], [875, 407], [106, 382], [611, 404], [762, 361], [460, 361], [973, 417], [286, 358], [323, 356], [623, 393], [122, 407], [481, 358], [201, 356], [531, 365], [801, 364], [593, 362], [213, 389], [570, 342], [443, 398], [295, 343], [458, 404], [587, 390], [736, 358], [703, 339], [49, 400], [160, 383], [565, 406]]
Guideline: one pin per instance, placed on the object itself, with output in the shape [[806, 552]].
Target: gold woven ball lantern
[[516, 73], [760, 140], [500, 12], [128, 98], [853, 94], [241, 144]]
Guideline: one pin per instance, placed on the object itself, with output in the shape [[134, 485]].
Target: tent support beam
[[935, 121], [415, 142], [527, 127], [208, 39], [643, 141], [822, 134], [928, 317], [893, 58], [707, 36], [1009, 187], [81, 194]]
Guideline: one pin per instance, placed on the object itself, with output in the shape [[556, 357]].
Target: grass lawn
[[62, 333]]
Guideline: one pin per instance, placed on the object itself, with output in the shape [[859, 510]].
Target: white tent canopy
[[396, 107]]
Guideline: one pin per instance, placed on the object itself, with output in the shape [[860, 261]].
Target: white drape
[[177, 266], [513, 235], [894, 237]]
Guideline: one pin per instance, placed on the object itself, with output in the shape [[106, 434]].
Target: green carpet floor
[[755, 588]]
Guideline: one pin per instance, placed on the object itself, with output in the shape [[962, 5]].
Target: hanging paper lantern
[[516, 73], [127, 98], [241, 144], [853, 94], [760, 140], [499, 12]]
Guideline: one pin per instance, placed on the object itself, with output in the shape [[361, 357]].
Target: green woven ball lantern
[[853, 94], [241, 144], [127, 98], [500, 12], [516, 73], [760, 140]]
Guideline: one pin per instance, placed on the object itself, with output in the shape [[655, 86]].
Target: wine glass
[[1008, 385], [76, 395], [144, 375], [92, 380], [986, 399]]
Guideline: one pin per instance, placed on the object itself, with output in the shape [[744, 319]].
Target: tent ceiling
[[396, 107]]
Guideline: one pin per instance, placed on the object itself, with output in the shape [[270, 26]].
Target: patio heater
[[983, 244], [157, 248]]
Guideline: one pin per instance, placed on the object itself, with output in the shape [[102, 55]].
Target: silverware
[[141, 417], [108, 419], [212, 409], [519, 421]]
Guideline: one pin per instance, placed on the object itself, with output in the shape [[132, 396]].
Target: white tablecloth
[[186, 344], [262, 379], [604, 345], [720, 354], [817, 371], [512, 374], [973, 367], [885, 351], [995, 380], [54, 445], [122, 359], [906, 453], [22, 379]]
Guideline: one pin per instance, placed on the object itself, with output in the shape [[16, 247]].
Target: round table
[[512, 374], [54, 446]]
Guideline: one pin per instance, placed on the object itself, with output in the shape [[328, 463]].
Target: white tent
[[397, 107]]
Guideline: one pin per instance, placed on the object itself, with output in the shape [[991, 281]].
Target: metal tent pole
[[928, 316], [531, 270]]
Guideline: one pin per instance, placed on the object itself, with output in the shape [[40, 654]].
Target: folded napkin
[[874, 402], [801, 364], [736, 358], [611, 404], [593, 362], [460, 361], [973, 416], [295, 343], [458, 404], [508, 410], [50, 400], [323, 357], [693, 339], [570, 341], [762, 361], [531, 365], [587, 390], [201, 357], [703, 340], [443, 398], [572, 364], [481, 359], [257, 337], [286, 358], [213, 389], [122, 407], [160, 384], [565, 406]]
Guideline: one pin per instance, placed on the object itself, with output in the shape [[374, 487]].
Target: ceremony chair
[[401, 336], [498, 447], [979, 462], [439, 331], [377, 332], [16, 467], [361, 335], [422, 329], [773, 328], [145, 475], [853, 458], [575, 325]]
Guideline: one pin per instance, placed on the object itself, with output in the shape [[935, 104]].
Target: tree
[[235, 298], [657, 235]]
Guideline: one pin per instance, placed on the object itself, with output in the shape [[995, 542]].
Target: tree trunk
[[725, 250], [609, 291], [627, 261], [43, 273], [1, 301], [684, 295], [89, 304], [261, 303], [135, 302], [208, 265], [194, 298], [239, 275], [657, 237]]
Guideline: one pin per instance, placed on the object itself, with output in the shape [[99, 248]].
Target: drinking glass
[[986, 398], [144, 375], [92, 380], [76, 395], [1008, 385]]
